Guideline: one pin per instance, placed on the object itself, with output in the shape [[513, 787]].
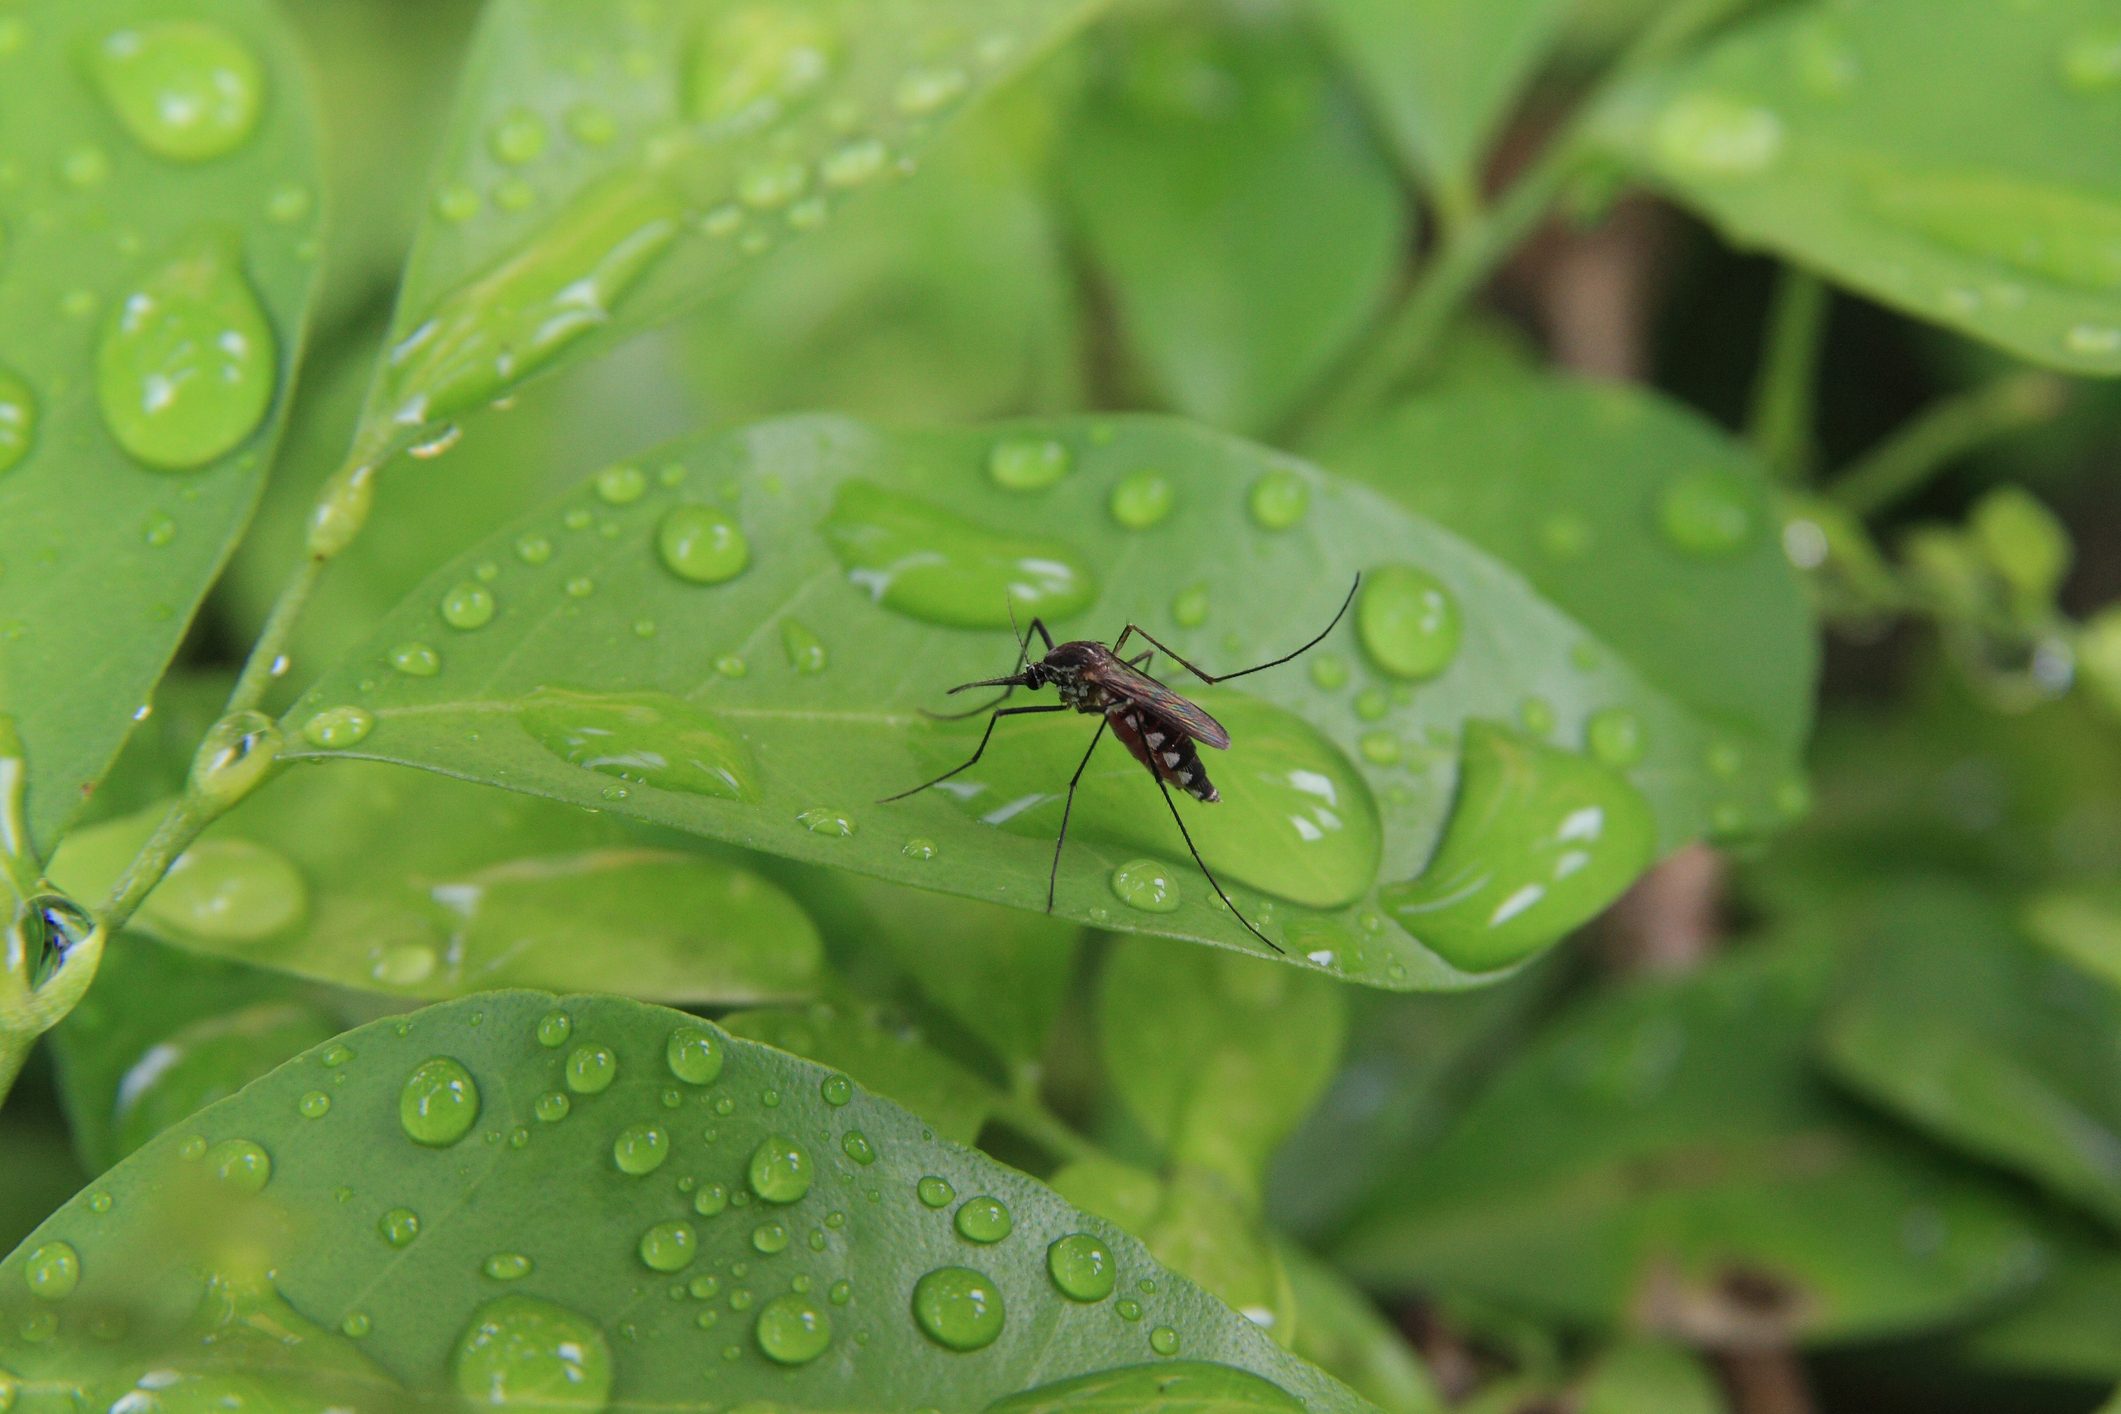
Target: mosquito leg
[[1141, 660], [1206, 872], [1053, 874], [989, 705], [1131, 629], [977, 750]]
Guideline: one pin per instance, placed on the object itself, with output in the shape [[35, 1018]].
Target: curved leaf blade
[[1947, 158], [166, 267], [557, 1200], [782, 699]]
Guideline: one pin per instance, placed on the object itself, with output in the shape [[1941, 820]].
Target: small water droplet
[[468, 606], [1713, 137], [934, 1191], [856, 1146], [508, 1266], [416, 659], [983, 1220], [1707, 513], [770, 1237], [780, 1170], [919, 847], [240, 1164], [1279, 500], [836, 1090], [183, 89], [710, 1199], [518, 137], [314, 1105], [336, 728], [1146, 884], [958, 1308], [590, 1069], [1028, 463], [1081, 1266], [640, 1149], [1614, 735], [822, 820], [356, 1325], [234, 757], [53, 1271], [1164, 1340], [523, 1352], [701, 544], [854, 164], [439, 1103], [923, 91], [1142, 500], [804, 649], [695, 1054], [793, 1330], [669, 1247], [1129, 1309], [1409, 624]]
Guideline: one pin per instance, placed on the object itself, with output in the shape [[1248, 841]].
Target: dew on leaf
[[933, 565], [823, 820], [1028, 463], [958, 1308], [1707, 514], [1146, 884], [648, 738], [1081, 1265], [1614, 735], [1408, 623], [508, 1266], [1142, 499], [856, 1146], [438, 1103], [18, 419], [983, 1219], [468, 606], [527, 1353], [792, 1330], [52, 1271], [640, 1149], [335, 728], [234, 756], [701, 544], [1278, 500], [669, 1246], [780, 1170], [695, 1054], [590, 1069], [240, 1164], [183, 89], [934, 1191]]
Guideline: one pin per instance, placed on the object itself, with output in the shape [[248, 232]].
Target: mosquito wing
[[1121, 680]]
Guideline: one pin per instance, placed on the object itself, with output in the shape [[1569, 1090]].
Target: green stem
[[1943, 434], [186, 819], [1028, 1116], [1784, 392]]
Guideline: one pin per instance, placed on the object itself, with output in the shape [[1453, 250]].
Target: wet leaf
[[890, 1059], [735, 635], [1943, 156], [613, 1250], [1958, 1022], [1664, 1160], [415, 885], [164, 249], [1235, 206]]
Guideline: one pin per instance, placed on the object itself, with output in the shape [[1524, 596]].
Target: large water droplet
[[485, 335], [1147, 884], [958, 1308], [521, 1352], [228, 891], [439, 1103], [1538, 840], [234, 756], [983, 1220], [591, 1069], [399, 1226], [780, 1170], [184, 89], [757, 60], [649, 738], [53, 1271], [467, 606], [701, 544], [1408, 622], [240, 1164], [1711, 136], [669, 1247], [187, 363], [924, 561], [18, 419], [640, 1149], [695, 1054], [793, 1329], [1081, 1266]]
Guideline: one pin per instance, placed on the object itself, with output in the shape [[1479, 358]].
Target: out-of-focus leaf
[[413, 884], [2070, 1329], [1649, 1378], [1186, 1387], [1443, 73], [1645, 522], [755, 662], [1338, 1330], [1955, 1020], [665, 1216], [1664, 1161], [2083, 925], [157, 757], [161, 244], [41, 1169], [1235, 206], [890, 1059], [1948, 157]]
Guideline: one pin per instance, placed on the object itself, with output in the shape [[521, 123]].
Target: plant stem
[[1028, 1115], [1944, 433], [1784, 391]]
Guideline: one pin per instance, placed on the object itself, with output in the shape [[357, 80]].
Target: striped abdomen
[[1163, 747]]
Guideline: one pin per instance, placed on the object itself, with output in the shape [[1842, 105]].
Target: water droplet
[[183, 89], [1712, 137], [1707, 513], [695, 1054], [84, 167], [1081, 1266], [1190, 608], [289, 204], [581, 587], [314, 1105], [1380, 748], [919, 847], [856, 1146], [159, 531], [187, 363], [822, 820], [958, 1308], [1146, 884], [552, 1107], [1164, 1340], [1408, 622], [2091, 62], [336, 728], [854, 164], [519, 137], [1129, 1309], [770, 1237], [669, 1247], [983, 1219], [591, 1069], [648, 738], [1614, 735], [1538, 840], [1142, 499], [701, 544], [780, 1169], [928, 563], [923, 91], [356, 1325], [416, 659], [1028, 463], [640, 1149], [18, 419], [1279, 500], [757, 60], [438, 1103], [712, 1198], [468, 606], [804, 649], [508, 1266], [230, 891], [53, 1271], [240, 1164], [793, 1330], [234, 757], [934, 1191], [521, 1352]]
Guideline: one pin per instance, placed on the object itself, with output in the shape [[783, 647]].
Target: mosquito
[[1161, 728]]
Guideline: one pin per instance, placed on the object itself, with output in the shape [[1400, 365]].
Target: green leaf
[[1948, 157], [616, 1251], [1647, 1376], [1338, 1330], [2081, 924], [892, 1060], [407, 883], [1186, 1387], [1444, 73], [1664, 1161], [1957, 1021], [163, 248], [1217, 1056], [2070, 1329], [162, 1035], [1646, 523], [1234, 203], [605, 170], [769, 704], [42, 1172]]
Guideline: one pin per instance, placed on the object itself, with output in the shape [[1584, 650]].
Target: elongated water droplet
[[1147, 884], [1713, 137], [856, 1146], [648, 738], [923, 91], [1408, 622], [234, 757], [183, 89], [416, 659], [804, 649], [228, 891], [928, 563], [780, 1170], [508, 1266], [438, 1103], [1081, 1266], [336, 728], [18, 419], [701, 545], [824, 820], [958, 1308], [1028, 463], [793, 1330], [187, 363], [522, 1352], [1538, 840]]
